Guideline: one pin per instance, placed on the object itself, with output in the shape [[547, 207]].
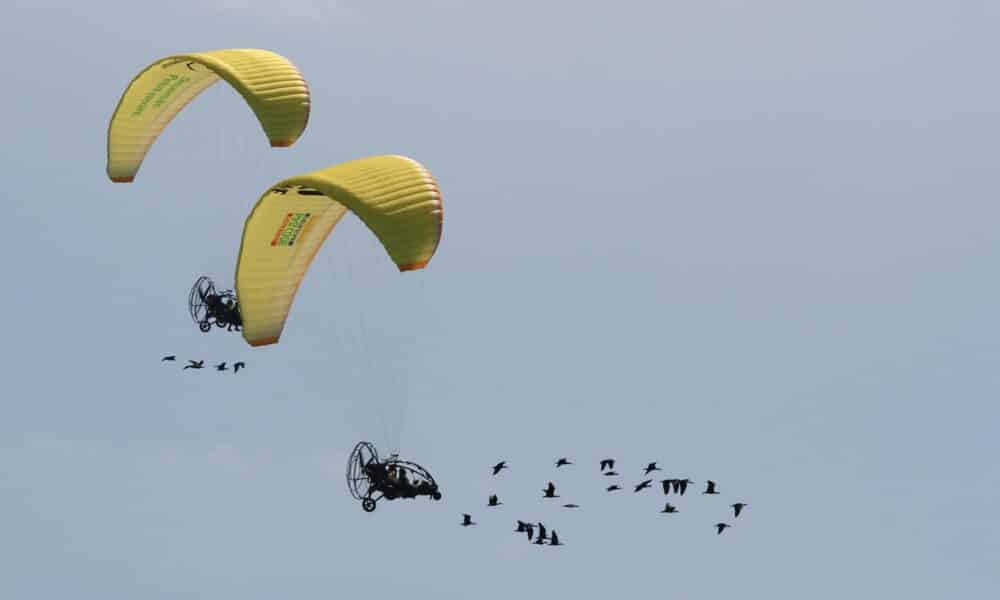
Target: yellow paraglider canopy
[[396, 197], [271, 85]]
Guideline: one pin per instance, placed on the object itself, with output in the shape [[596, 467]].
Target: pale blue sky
[[755, 241]]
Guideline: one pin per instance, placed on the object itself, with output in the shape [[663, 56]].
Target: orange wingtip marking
[[128, 179]]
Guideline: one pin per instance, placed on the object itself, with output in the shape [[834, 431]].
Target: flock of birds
[[673, 485], [200, 364]]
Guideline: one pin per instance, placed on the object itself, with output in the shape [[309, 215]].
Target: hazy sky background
[[755, 241]]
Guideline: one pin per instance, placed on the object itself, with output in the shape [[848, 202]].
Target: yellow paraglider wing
[[271, 85], [396, 197]]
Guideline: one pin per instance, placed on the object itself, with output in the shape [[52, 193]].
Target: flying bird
[[466, 520], [171, 357], [540, 541], [522, 527], [494, 501], [221, 367], [499, 466], [555, 539], [720, 527], [651, 467], [739, 506], [237, 366], [550, 491], [571, 506], [611, 474], [710, 488], [608, 463], [612, 488], [666, 485], [669, 508], [643, 485], [195, 364], [563, 462], [530, 528], [541, 532]]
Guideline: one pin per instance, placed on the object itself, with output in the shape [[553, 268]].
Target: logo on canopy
[[291, 226]]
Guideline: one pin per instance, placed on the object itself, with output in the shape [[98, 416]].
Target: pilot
[[230, 313], [406, 489]]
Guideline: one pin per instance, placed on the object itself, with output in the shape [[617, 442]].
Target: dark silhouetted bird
[[643, 485], [499, 466], [555, 539], [669, 508], [549, 491], [541, 532], [739, 506], [666, 485], [681, 485], [608, 463], [710, 487], [720, 527], [530, 528], [651, 467], [563, 462], [171, 357], [221, 367], [522, 527], [540, 541], [571, 506], [612, 488], [494, 501], [466, 520], [611, 474], [195, 364], [238, 365]]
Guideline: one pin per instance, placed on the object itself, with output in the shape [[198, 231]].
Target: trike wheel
[[368, 505]]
